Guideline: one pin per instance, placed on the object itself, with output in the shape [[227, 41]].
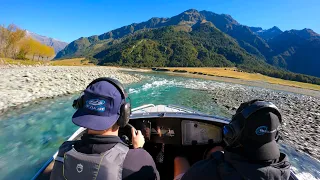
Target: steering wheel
[[125, 134]]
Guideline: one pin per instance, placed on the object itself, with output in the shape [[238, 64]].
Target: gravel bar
[[23, 84]]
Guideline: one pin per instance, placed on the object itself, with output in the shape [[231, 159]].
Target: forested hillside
[[203, 38]]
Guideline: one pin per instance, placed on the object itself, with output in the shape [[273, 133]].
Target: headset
[[125, 109], [233, 131]]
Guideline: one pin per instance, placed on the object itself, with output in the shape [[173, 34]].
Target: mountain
[[297, 51], [266, 34], [204, 45], [287, 50], [56, 44], [251, 42]]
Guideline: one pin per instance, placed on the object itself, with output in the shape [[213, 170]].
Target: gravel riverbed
[[19, 85], [301, 113]]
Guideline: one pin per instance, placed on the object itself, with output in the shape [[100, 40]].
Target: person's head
[[254, 130], [102, 108]]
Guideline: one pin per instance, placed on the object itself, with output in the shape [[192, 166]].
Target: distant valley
[[203, 38]]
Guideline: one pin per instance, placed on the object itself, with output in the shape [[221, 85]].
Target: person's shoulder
[[139, 153], [66, 146]]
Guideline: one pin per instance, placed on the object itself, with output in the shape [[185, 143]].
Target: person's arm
[[57, 171], [138, 163]]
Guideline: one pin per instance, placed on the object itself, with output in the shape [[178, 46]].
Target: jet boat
[[169, 130]]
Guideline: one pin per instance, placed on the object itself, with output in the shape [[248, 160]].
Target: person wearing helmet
[[101, 154], [251, 150]]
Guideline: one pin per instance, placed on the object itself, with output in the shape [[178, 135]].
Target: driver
[[252, 151], [100, 154]]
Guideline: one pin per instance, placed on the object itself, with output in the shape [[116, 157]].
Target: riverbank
[[262, 84], [234, 73], [19, 85]]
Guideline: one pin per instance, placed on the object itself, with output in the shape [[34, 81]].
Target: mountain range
[[204, 38], [56, 44]]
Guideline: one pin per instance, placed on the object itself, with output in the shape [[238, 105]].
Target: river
[[31, 134]]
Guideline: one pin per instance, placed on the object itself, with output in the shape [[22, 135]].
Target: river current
[[31, 134]]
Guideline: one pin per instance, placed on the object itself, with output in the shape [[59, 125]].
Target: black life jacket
[[104, 166]]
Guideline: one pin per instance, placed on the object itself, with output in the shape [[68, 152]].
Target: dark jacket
[[138, 163], [230, 166]]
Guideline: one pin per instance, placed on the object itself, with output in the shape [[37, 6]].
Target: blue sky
[[68, 20]]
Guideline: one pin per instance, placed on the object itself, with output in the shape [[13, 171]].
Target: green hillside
[[202, 38]]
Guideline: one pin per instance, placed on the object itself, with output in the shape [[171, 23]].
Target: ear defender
[[125, 113], [232, 132], [78, 103]]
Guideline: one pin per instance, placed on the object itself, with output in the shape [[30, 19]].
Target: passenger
[[100, 154], [252, 151]]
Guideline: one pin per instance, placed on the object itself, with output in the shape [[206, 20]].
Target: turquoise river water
[[30, 135]]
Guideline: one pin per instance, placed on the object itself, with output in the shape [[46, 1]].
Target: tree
[[24, 47], [9, 40], [46, 51], [35, 48]]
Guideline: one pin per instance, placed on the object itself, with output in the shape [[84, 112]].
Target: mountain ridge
[[271, 45], [56, 44]]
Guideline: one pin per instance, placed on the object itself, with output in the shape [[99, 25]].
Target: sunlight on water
[[30, 135]]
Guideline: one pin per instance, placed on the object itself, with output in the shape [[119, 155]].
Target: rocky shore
[[23, 84], [301, 113]]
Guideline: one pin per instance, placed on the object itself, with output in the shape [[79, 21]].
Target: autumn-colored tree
[[40, 50], [49, 52], [24, 47], [15, 44], [9, 39]]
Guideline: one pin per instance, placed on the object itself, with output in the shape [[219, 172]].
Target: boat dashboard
[[172, 136], [178, 131]]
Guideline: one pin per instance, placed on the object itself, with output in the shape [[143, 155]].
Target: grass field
[[63, 62], [234, 73], [22, 62], [71, 62]]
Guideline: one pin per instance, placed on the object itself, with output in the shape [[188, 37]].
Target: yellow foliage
[[9, 39], [15, 44]]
